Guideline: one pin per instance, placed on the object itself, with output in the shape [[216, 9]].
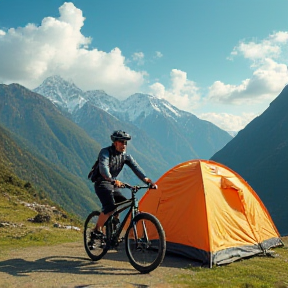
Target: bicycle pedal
[[102, 245], [91, 245]]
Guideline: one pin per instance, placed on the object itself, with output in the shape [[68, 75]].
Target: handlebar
[[137, 187]]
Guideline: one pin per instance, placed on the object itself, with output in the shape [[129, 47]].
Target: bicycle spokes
[[145, 243], [141, 242], [95, 245]]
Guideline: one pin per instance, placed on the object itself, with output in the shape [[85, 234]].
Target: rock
[[69, 227], [41, 218]]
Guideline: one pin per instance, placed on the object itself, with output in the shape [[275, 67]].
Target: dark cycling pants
[[108, 195]]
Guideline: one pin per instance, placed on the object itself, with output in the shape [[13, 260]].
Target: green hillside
[[61, 186], [47, 149], [46, 130], [21, 201]]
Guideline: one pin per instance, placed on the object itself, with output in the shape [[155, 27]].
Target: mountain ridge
[[46, 177], [155, 117], [259, 153]]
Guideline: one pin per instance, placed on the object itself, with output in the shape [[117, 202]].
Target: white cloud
[[269, 72], [138, 57], [280, 37], [256, 51], [265, 84], [32, 53], [183, 92], [158, 54], [158, 90], [270, 47], [228, 122]]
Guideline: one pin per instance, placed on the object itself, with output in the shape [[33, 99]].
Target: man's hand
[[151, 183], [117, 183]]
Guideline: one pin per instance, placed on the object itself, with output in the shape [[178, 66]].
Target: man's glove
[[151, 183], [117, 183]]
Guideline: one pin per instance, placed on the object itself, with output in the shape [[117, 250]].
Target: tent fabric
[[210, 213]]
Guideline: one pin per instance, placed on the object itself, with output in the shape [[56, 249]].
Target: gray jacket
[[111, 163]]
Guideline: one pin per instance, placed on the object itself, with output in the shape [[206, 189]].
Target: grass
[[17, 232], [255, 272], [36, 236]]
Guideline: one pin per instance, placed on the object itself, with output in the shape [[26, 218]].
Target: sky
[[224, 61]]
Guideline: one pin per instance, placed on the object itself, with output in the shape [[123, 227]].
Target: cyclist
[[111, 161]]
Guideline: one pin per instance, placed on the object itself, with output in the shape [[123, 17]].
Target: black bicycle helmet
[[120, 135]]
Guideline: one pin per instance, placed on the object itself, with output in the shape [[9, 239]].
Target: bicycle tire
[[147, 252], [97, 248]]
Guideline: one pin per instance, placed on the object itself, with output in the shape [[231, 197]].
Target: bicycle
[[145, 242]]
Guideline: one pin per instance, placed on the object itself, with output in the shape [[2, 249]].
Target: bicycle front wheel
[[145, 243], [95, 246]]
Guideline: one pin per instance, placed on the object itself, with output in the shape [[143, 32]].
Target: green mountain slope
[[63, 187], [46, 130], [29, 218]]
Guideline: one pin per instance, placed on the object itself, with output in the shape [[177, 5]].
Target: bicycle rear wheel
[[95, 246], [145, 243]]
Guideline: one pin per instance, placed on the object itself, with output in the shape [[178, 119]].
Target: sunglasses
[[123, 142]]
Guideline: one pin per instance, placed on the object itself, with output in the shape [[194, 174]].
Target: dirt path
[[67, 266]]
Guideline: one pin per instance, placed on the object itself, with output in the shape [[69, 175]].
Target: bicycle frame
[[133, 211]]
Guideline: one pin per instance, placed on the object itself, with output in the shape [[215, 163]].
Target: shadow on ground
[[83, 265], [58, 264], [171, 260]]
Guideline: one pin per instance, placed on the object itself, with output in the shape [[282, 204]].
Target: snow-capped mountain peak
[[138, 104], [62, 93], [143, 105], [102, 100], [67, 95]]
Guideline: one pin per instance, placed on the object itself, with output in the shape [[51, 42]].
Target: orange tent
[[209, 213]]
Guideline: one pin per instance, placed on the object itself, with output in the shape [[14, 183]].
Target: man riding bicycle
[[111, 161]]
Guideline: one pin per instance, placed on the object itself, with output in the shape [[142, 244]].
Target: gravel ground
[[68, 266]]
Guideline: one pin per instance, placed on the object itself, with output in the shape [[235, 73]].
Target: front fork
[[144, 238]]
